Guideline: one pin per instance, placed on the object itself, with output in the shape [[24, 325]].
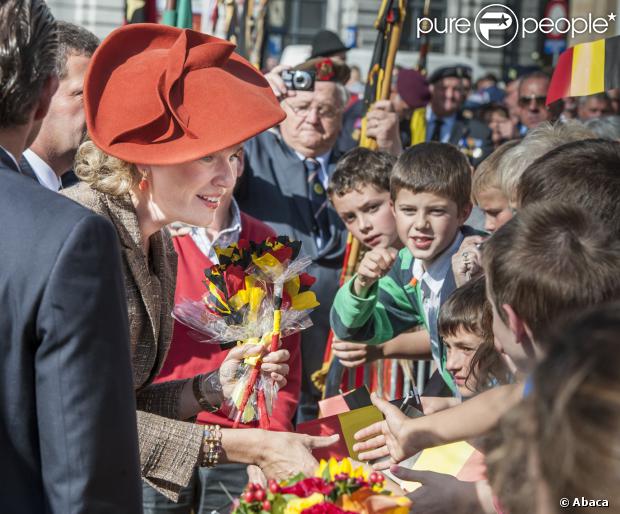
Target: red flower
[[308, 486], [325, 70], [235, 279], [306, 280], [325, 508]]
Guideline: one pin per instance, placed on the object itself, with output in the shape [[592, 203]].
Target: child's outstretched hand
[[386, 438], [466, 262], [375, 264]]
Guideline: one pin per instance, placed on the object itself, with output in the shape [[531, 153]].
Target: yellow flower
[[300, 301], [344, 466], [298, 505]]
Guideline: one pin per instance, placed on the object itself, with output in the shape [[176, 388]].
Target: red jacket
[[188, 357]]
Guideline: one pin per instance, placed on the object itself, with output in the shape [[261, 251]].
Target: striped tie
[[318, 200]]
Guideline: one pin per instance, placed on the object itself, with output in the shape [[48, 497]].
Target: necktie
[[318, 199], [437, 130]]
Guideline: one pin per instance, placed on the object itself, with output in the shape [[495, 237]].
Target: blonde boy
[[487, 192]]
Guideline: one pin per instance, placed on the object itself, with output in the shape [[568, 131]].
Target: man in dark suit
[[444, 122], [283, 185], [67, 415]]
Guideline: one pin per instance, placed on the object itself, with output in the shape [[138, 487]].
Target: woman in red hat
[[167, 112]]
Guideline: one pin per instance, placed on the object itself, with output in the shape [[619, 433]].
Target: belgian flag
[[586, 69]]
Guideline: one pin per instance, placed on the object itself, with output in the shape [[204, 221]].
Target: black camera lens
[[302, 80]]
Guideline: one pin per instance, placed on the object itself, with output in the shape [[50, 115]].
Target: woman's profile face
[[191, 192]]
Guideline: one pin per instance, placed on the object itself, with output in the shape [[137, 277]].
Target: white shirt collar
[[436, 272], [431, 116], [223, 238], [42, 170]]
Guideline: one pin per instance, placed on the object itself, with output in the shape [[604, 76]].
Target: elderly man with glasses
[[283, 184]]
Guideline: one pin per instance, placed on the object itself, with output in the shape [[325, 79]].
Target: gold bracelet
[[211, 446]]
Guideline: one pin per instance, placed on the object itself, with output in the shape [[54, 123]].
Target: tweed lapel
[[122, 213]]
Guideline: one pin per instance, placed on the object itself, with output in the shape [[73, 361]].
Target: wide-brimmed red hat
[[155, 94]]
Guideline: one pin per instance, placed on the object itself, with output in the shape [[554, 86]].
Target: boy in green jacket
[[393, 291]]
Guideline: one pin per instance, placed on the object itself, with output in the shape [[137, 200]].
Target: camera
[[299, 80]]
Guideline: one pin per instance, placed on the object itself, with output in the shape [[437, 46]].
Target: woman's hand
[[284, 454], [256, 475], [274, 364], [352, 355]]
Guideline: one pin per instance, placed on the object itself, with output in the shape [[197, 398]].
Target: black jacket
[[68, 433]]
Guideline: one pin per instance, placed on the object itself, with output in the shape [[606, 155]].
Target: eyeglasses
[[323, 111], [525, 101]]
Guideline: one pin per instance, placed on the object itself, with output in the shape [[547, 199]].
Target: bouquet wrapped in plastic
[[256, 294], [338, 487]]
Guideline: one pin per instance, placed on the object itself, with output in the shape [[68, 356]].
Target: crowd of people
[[489, 224]]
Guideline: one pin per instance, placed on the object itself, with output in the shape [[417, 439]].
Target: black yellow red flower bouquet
[[256, 294]]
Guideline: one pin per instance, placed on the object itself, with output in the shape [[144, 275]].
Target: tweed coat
[[169, 448]]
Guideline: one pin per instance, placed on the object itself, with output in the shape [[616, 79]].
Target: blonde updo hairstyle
[[103, 172]]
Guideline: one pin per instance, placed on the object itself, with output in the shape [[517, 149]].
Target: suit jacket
[[274, 189], [472, 137], [169, 448], [67, 413], [469, 135]]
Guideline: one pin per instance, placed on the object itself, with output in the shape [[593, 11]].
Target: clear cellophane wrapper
[[250, 325]]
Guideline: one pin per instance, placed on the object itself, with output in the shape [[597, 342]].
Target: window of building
[[415, 10], [304, 18]]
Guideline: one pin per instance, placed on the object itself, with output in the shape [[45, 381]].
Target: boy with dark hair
[[393, 291], [466, 327], [359, 190], [545, 265], [582, 172]]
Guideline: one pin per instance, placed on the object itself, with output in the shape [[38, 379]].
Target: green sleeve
[[384, 313]]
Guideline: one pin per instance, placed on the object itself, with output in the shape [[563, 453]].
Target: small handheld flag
[[586, 69]]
